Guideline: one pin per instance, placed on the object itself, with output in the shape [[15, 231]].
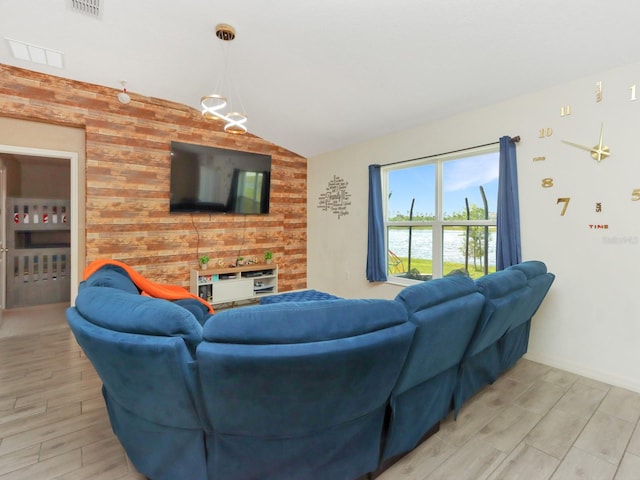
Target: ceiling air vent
[[87, 7], [33, 53]]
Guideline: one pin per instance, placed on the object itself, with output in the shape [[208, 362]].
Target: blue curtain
[[508, 251], [376, 254]]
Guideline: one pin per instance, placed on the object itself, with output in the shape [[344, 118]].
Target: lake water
[[421, 245]]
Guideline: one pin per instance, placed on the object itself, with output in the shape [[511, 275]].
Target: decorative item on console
[[241, 261], [204, 262]]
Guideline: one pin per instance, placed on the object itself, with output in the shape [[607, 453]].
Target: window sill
[[402, 282]]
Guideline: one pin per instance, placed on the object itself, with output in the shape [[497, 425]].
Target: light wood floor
[[53, 422], [536, 422]]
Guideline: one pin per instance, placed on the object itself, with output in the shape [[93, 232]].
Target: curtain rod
[[515, 139]]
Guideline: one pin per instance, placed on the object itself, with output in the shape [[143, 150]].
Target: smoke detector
[[123, 96]]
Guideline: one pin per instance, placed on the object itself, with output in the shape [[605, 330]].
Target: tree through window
[[440, 215]]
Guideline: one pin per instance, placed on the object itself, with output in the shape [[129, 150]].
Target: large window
[[441, 215]]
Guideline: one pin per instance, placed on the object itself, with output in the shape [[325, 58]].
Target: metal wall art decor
[[335, 198]]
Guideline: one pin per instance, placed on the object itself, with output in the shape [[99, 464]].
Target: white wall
[[590, 321]]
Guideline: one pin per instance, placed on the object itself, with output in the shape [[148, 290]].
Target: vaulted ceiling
[[316, 76]]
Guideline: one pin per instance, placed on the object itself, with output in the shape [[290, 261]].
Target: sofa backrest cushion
[[540, 282], [423, 295], [445, 312], [301, 369], [121, 311], [506, 293], [114, 277], [302, 322], [531, 268], [153, 377]]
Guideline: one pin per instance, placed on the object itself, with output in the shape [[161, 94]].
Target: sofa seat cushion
[[302, 322], [121, 311]]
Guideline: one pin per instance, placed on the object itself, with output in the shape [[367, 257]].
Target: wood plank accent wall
[[127, 181]]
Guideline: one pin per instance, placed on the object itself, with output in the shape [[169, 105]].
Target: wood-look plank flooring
[[536, 422], [53, 421]]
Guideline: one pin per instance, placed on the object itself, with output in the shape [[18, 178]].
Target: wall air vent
[[87, 7]]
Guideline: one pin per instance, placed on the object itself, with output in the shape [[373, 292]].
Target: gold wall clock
[[599, 150]]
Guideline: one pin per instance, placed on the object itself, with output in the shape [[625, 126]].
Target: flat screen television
[[217, 180]]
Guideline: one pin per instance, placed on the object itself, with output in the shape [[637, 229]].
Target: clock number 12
[[564, 200]]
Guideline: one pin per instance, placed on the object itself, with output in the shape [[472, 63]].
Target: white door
[[3, 237], [73, 220]]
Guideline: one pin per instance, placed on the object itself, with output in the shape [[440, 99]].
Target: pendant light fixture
[[213, 105]]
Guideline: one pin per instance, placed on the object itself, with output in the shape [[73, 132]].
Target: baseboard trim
[[598, 375]]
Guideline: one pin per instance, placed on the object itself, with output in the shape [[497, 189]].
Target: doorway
[[39, 226]]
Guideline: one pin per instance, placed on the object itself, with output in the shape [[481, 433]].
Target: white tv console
[[232, 284]]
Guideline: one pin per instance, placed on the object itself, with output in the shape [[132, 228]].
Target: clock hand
[[601, 135], [599, 154], [584, 147]]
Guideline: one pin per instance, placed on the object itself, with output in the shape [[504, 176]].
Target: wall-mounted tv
[[217, 180]]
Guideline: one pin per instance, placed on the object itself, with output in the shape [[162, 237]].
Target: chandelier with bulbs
[[213, 105]]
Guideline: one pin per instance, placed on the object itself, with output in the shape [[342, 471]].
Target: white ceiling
[[317, 76]]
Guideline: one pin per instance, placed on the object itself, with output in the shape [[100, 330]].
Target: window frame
[[438, 224]]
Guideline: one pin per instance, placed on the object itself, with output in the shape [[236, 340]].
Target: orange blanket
[[156, 290]]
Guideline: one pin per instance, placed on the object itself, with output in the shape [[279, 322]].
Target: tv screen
[[211, 179]]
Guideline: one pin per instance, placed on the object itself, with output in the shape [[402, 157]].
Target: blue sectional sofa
[[305, 398], [445, 312], [296, 389]]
